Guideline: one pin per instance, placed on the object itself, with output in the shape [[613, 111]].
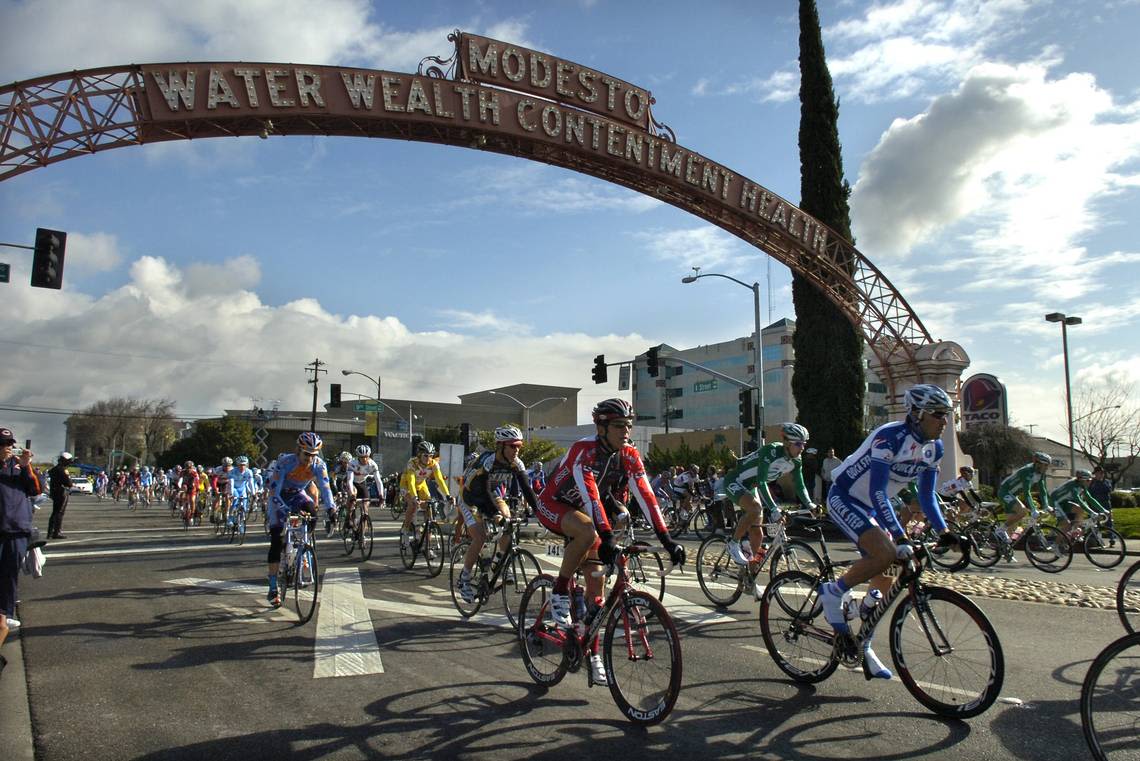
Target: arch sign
[[492, 96]]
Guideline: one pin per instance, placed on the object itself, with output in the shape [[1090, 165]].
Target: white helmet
[[227, 461], [794, 433], [506, 433], [928, 398], [364, 451]]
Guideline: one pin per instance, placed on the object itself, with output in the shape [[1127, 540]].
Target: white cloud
[[705, 247], [92, 252]]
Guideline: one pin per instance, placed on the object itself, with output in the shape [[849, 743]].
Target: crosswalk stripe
[[346, 640]]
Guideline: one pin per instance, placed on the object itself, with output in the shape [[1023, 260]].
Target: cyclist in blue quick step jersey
[[243, 486], [859, 502]]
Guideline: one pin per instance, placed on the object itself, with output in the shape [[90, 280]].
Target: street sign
[[365, 407], [5, 272]]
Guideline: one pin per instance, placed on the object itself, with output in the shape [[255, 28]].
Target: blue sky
[[994, 148]]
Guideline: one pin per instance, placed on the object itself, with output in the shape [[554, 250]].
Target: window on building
[[877, 388]]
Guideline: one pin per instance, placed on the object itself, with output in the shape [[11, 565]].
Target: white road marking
[[346, 639]]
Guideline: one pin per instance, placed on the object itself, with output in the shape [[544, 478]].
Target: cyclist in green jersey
[[1072, 501], [1019, 485], [747, 486]]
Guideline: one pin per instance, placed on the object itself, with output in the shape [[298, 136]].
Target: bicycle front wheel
[[1104, 547], [1048, 549], [642, 653], [721, 579], [702, 523], [647, 573], [540, 640], [347, 535], [466, 609], [795, 555], [364, 541], [409, 548], [1128, 599], [241, 528], [1110, 701], [797, 636], [985, 546], [522, 567], [432, 549], [305, 589], [947, 652]]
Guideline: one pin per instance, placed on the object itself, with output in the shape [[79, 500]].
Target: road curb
[[16, 717]]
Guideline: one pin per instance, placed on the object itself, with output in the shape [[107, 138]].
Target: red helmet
[[612, 409]]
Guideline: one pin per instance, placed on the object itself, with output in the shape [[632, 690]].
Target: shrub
[[1123, 499]]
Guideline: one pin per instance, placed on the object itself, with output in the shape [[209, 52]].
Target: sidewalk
[[15, 715]]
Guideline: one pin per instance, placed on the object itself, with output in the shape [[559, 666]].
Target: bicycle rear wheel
[[797, 636], [721, 579], [1104, 547], [985, 546], [521, 568], [1048, 549], [947, 652], [466, 609], [364, 541], [305, 590], [795, 555], [1128, 599], [642, 653], [540, 640], [1110, 701], [647, 573]]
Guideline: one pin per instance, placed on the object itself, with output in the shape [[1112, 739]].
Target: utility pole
[[314, 367]]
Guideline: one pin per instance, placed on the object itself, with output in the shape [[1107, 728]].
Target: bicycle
[[723, 580], [299, 565], [132, 497], [936, 635], [641, 648], [1046, 546], [680, 519], [1128, 599], [1102, 544], [1110, 701], [646, 569], [356, 531], [510, 576], [429, 543], [237, 519]]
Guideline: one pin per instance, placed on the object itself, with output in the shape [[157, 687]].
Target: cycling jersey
[[589, 470], [489, 480], [358, 472], [1020, 483], [293, 477], [222, 478], [146, 480], [1073, 491], [954, 487], [863, 485], [685, 483], [242, 483], [190, 481], [415, 478], [760, 468]]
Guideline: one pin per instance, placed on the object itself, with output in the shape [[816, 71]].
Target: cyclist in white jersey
[[356, 476]]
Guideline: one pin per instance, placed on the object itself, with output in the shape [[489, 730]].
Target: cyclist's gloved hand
[[904, 550], [675, 549], [607, 552]]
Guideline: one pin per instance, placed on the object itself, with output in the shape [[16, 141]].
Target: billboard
[[983, 401]]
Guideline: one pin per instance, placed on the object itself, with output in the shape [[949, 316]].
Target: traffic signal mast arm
[[726, 378]]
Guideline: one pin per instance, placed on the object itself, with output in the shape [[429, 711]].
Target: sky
[[993, 147]]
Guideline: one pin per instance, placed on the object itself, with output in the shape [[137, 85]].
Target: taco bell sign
[[983, 401]]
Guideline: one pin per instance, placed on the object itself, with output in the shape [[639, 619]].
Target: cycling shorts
[[476, 507], [292, 500], [550, 514], [851, 516], [360, 490]]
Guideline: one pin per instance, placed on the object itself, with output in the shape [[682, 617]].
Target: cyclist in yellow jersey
[[414, 484]]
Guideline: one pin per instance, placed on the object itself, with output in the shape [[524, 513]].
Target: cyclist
[[189, 490], [859, 502], [358, 472], [414, 483], [146, 484], [571, 505], [242, 488], [134, 482], [484, 484], [101, 485], [1019, 485], [685, 487], [537, 476], [961, 489], [296, 472], [747, 486], [222, 484], [1072, 501]]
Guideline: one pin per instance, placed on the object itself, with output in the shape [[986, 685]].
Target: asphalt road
[[146, 641]]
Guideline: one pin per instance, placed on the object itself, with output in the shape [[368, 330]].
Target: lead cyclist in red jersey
[[571, 505]]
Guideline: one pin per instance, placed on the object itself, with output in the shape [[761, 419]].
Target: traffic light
[[599, 372], [334, 394], [652, 362], [746, 408], [47, 262]]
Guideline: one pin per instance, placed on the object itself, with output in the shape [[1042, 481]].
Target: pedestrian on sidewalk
[[60, 489], [18, 484]]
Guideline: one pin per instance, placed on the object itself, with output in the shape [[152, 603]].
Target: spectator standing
[[59, 486], [18, 484], [830, 463], [1101, 489]]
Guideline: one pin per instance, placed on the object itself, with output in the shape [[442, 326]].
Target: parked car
[[82, 485]]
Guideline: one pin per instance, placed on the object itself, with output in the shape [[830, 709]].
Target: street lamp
[[1065, 323], [528, 407], [376, 380], [757, 349]]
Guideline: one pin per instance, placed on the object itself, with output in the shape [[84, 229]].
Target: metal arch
[[54, 118]]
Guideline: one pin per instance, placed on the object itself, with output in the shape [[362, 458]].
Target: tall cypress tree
[[828, 381]]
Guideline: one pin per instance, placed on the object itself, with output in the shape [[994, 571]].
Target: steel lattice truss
[[54, 118]]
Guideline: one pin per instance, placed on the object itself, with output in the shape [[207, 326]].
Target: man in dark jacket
[[60, 488], [1101, 489], [18, 484]]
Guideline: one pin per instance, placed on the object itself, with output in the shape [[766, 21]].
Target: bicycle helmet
[[1084, 474], [1042, 458], [309, 442], [794, 433], [507, 433], [928, 398], [145, 468], [425, 447], [364, 451], [612, 409], [189, 464], [966, 471], [227, 461], [242, 460], [344, 457]]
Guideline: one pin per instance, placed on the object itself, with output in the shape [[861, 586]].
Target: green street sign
[[365, 407]]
